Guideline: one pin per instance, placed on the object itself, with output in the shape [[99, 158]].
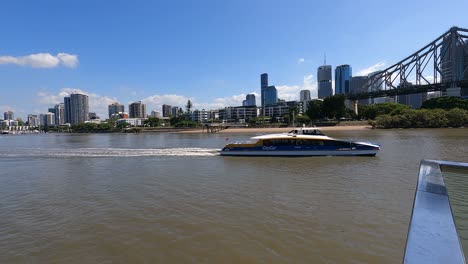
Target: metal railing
[[432, 235]]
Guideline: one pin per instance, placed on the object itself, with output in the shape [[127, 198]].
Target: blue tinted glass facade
[[271, 95], [342, 79]]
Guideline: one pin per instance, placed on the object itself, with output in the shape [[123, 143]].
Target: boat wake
[[111, 152]]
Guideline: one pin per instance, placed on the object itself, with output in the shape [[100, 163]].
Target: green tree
[[189, 106], [152, 121], [20, 121], [302, 119], [314, 110], [446, 102], [334, 106], [457, 117], [122, 125]]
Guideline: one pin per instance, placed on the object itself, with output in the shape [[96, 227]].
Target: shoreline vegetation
[[328, 115]]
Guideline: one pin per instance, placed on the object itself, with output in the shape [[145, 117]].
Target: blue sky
[[211, 52]]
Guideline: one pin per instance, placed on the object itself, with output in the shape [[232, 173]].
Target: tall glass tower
[[263, 87], [324, 77], [342, 79]]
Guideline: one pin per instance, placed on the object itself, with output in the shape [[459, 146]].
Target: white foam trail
[[112, 152]]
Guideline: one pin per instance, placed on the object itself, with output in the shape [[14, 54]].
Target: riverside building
[[115, 108], [137, 110]]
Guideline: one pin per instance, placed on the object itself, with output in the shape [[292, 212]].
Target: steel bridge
[[440, 65]]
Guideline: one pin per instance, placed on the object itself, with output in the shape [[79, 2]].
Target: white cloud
[[42, 60], [155, 102], [291, 92], [97, 103], [300, 60], [373, 68], [68, 60]]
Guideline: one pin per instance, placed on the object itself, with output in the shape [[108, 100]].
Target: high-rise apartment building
[[47, 119], [304, 95], [115, 108], [67, 108], [166, 110], [8, 115], [324, 78], [59, 111], [79, 108], [137, 110], [343, 75], [33, 120], [175, 111]]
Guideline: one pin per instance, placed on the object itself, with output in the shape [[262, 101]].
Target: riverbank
[[276, 129]]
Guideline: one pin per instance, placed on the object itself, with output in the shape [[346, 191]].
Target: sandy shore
[[278, 129]]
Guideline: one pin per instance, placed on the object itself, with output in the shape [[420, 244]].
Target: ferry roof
[[286, 135]]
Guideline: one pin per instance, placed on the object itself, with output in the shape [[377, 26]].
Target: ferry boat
[[300, 142]]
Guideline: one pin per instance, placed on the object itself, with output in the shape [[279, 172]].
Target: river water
[[169, 198]]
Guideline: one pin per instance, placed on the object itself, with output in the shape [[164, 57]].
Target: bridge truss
[[439, 65]]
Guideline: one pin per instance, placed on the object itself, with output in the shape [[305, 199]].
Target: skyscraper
[[166, 110], [59, 111], [115, 108], [8, 115], [271, 96], [79, 108], [263, 87], [67, 105], [304, 95], [342, 79], [324, 78], [249, 100], [137, 110]]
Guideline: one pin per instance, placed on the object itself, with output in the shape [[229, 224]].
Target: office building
[[137, 110], [67, 108], [8, 115], [79, 108], [263, 87], [343, 75], [115, 108], [324, 78], [454, 61], [249, 100], [166, 110], [59, 111], [304, 95], [271, 96], [356, 84]]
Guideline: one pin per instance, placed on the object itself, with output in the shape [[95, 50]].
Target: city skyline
[[117, 61]]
